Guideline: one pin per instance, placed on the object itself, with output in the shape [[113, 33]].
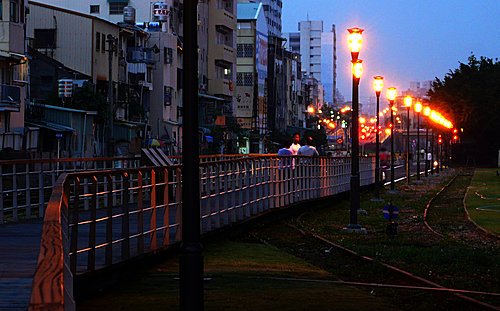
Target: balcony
[[221, 87], [224, 53], [225, 19], [140, 55], [12, 37], [10, 98]]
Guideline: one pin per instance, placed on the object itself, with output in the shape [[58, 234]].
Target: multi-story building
[[217, 60], [318, 54], [221, 55], [272, 13], [250, 104], [13, 77], [419, 89], [293, 93], [292, 41], [110, 10], [110, 56]]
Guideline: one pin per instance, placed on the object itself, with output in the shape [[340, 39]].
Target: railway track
[[404, 288], [445, 214]]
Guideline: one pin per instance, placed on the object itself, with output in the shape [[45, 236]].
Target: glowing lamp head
[[310, 109], [418, 107], [427, 111], [355, 39], [357, 68], [378, 84], [408, 101], [391, 93]]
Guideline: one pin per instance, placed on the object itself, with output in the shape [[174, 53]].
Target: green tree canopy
[[470, 97]]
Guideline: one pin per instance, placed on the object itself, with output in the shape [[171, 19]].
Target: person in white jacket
[[295, 146]]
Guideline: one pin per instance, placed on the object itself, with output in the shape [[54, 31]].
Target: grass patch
[[241, 276], [484, 192]]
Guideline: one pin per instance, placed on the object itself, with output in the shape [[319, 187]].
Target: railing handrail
[[63, 160], [52, 282], [48, 287]]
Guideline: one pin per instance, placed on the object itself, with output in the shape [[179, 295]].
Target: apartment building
[[13, 78], [109, 56], [250, 105], [318, 55]]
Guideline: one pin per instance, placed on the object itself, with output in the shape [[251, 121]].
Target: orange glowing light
[[357, 68], [391, 93], [355, 39], [427, 111], [418, 107], [378, 83], [408, 101]]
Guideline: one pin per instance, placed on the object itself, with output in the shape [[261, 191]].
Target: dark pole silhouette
[[391, 96], [191, 259], [418, 109], [378, 84], [408, 102], [355, 41]]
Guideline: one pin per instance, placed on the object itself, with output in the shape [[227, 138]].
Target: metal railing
[[26, 185], [106, 217]]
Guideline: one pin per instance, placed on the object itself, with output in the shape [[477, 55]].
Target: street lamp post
[[418, 109], [355, 40], [378, 84], [432, 152], [408, 102], [391, 96], [427, 113]]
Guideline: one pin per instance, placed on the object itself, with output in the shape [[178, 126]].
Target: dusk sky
[[403, 40]]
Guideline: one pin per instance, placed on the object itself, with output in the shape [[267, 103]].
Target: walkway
[[19, 248]]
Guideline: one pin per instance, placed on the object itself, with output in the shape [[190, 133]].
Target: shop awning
[[51, 126]]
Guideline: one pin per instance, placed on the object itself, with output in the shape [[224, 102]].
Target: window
[[244, 79], [45, 38], [94, 9], [116, 8], [224, 38], [223, 73], [244, 50], [97, 41], [14, 16], [167, 95], [103, 40], [244, 25], [168, 56]]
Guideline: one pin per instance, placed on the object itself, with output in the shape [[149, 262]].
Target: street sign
[[59, 135], [390, 212]]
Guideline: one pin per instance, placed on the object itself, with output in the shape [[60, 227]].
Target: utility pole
[[111, 48]]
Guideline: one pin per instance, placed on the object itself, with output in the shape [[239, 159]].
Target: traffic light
[[440, 139]]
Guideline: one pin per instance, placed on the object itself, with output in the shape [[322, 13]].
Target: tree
[[470, 97]]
